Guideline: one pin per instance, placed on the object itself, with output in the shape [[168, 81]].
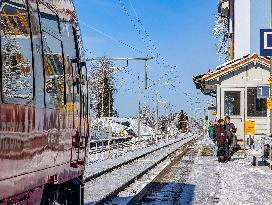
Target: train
[[44, 118]]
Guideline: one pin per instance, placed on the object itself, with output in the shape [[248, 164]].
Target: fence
[[115, 147]]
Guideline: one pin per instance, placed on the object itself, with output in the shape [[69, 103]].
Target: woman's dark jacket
[[220, 133]]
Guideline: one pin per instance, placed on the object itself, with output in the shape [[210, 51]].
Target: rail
[[173, 147]]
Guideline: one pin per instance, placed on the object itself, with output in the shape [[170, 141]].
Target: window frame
[[240, 95], [42, 31], [2, 100], [255, 114]]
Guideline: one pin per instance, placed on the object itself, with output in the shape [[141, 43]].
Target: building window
[[232, 102], [255, 107], [16, 53]]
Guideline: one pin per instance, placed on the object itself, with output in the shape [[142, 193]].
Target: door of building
[[233, 105]]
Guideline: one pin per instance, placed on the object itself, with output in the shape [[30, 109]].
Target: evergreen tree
[[102, 88], [182, 120], [105, 104]]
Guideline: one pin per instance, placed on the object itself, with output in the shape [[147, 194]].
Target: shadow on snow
[[157, 193]]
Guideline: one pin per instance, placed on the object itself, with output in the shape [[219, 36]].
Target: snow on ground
[[125, 196], [206, 141], [235, 182], [210, 182], [98, 166], [98, 188], [117, 126]]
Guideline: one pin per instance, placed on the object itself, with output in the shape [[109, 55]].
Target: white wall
[[250, 16], [242, 28], [249, 76], [260, 19]]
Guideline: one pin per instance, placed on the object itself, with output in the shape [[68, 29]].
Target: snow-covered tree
[[102, 88], [147, 116], [182, 120], [221, 32]]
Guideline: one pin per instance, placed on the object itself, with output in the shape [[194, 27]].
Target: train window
[[70, 53], [37, 54], [16, 53], [53, 58]]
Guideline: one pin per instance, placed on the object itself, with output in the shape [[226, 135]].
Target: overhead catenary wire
[[146, 33], [167, 76], [140, 22], [114, 39], [139, 32], [122, 42]]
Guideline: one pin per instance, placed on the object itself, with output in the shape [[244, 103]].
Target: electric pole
[[127, 59], [157, 116], [139, 106]]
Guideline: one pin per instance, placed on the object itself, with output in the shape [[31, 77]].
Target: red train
[[43, 103]]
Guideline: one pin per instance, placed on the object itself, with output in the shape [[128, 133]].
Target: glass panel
[[16, 52], [232, 102], [70, 53], [37, 54], [255, 107], [53, 60]]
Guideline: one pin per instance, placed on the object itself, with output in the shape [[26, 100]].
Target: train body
[[43, 103]]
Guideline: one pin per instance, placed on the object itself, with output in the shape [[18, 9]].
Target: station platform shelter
[[240, 88]]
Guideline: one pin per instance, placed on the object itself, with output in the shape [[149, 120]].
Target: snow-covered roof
[[230, 66], [234, 65]]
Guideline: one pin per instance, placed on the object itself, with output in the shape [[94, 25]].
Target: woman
[[222, 141], [230, 131]]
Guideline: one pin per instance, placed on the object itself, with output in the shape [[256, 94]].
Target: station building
[[234, 84]]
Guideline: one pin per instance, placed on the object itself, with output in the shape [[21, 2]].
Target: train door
[[79, 102]]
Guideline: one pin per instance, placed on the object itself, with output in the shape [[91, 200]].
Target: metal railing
[[103, 149]]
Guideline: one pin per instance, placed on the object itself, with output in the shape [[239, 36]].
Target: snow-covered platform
[[198, 178]]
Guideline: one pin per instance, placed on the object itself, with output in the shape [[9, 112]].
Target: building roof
[[200, 80], [234, 65]]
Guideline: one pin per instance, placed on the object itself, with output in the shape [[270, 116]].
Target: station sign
[[263, 92], [250, 127], [266, 42]]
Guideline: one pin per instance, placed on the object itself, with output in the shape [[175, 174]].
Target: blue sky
[[181, 31]]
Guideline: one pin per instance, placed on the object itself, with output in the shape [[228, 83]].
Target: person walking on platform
[[222, 141], [230, 131]]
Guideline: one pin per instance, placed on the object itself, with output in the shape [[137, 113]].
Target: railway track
[[120, 164], [106, 185]]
